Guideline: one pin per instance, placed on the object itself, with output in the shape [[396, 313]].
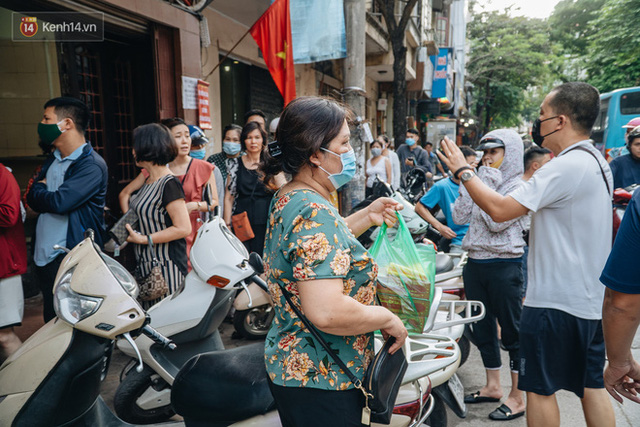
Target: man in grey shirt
[[412, 155]]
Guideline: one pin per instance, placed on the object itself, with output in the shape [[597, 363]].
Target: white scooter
[[54, 378], [190, 317], [239, 374]]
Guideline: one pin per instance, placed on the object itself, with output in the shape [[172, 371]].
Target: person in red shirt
[[13, 263]]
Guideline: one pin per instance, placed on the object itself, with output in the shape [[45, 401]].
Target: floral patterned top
[[307, 239]]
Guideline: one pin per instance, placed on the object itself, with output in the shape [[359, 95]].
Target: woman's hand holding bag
[[403, 284]]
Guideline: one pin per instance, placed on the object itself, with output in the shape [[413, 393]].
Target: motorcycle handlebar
[[258, 281], [158, 338]]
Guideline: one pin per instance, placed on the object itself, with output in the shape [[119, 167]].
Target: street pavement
[[473, 378], [471, 375]]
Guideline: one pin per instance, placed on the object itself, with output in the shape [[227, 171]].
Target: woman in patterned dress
[[163, 217], [313, 252]]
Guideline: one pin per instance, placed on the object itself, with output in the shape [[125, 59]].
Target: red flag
[[272, 32]]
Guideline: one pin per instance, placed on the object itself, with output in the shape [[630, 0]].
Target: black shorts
[[559, 351]]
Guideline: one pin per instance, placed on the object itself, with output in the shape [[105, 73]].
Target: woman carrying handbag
[[163, 220], [313, 258]]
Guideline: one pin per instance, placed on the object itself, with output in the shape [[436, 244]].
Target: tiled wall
[[28, 78]]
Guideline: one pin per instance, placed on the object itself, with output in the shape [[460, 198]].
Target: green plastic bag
[[404, 285]]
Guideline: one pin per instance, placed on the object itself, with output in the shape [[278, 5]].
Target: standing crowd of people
[[497, 208]]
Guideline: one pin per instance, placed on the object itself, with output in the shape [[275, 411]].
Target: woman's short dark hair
[[247, 129], [384, 137], [173, 122], [307, 124], [154, 143], [232, 126], [375, 141]]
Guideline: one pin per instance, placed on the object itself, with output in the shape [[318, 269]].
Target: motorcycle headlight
[[70, 306], [235, 242], [125, 278]]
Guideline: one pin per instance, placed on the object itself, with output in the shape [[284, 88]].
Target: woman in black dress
[[245, 191]]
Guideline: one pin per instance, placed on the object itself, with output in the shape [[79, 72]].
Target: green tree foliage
[[613, 57], [570, 24], [509, 56]]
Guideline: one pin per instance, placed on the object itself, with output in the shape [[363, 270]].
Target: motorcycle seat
[[223, 387], [444, 263]]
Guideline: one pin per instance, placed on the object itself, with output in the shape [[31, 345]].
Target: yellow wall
[[28, 78]]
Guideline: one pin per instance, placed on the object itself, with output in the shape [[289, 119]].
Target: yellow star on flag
[[283, 54]]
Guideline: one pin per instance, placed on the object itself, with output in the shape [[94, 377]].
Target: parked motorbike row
[[54, 378]]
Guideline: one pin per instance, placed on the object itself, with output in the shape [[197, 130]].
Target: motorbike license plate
[[456, 388]]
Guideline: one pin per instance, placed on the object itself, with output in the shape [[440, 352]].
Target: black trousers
[[498, 285], [311, 407], [46, 276]]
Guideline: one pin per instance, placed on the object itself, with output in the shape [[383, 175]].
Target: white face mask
[[348, 161]]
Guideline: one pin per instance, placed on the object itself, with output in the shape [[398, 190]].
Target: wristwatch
[[466, 175]]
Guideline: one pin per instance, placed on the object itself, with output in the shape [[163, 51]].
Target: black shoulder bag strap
[[356, 382], [604, 177]]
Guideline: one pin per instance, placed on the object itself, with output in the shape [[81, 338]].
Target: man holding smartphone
[[412, 155]]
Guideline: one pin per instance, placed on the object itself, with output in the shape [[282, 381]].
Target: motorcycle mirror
[[256, 263]]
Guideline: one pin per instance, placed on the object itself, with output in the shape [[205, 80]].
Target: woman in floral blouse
[[312, 251]]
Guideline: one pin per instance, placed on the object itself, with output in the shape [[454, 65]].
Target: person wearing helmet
[[622, 150], [626, 168], [493, 149], [198, 142], [493, 273], [632, 124]]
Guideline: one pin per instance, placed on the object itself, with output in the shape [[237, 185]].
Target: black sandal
[[476, 398], [504, 413]]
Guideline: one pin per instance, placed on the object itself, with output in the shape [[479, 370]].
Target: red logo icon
[[28, 26]]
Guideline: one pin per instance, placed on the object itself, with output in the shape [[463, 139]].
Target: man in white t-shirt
[[561, 341]]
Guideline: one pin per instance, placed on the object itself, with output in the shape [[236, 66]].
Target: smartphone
[[412, 159]]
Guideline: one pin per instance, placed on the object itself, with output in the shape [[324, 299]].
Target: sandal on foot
[[504, 413], [476, 398]]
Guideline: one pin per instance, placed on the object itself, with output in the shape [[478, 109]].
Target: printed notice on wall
[[204, 113], [189, 93]]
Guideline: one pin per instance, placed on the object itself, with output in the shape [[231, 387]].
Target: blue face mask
[[348, 161], [375, 152], [198, 154], [231, 148], [410, 142]]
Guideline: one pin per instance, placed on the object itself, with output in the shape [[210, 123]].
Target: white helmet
[[274, 125]]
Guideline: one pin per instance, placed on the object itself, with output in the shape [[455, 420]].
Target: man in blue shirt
[[626, 169], [69, 192], [621, 306], [443, 194], [434, 162]]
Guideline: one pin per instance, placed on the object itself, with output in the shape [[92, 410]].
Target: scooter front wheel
[[143, 398], [254, 323]]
